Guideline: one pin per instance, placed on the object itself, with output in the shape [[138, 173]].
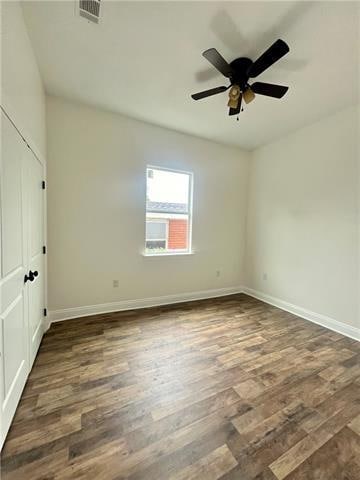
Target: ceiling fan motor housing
[[240, 67]]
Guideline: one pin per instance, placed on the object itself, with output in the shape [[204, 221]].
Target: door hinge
[[45, 312], [43, 184], [44, 249]]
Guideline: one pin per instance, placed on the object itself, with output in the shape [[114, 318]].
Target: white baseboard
[[317, 318], [324, 321], [46, 325], [75, 312]]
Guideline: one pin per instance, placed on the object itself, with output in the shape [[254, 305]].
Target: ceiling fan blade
[[236, 111], [269, 89], [208, 93], [248, 95], [277, 50], [214, 57]]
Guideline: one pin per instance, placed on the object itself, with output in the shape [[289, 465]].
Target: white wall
[[302, 221], [22, 92], [96, 209]]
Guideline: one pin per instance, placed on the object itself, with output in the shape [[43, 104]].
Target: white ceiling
[[144, 60]]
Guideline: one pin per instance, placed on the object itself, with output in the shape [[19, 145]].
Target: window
[[168, 211]]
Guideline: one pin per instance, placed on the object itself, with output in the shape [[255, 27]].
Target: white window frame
[[189, 250]]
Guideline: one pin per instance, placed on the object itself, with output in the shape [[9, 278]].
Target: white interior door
[[22, 283], [35, 241], [13, 297]]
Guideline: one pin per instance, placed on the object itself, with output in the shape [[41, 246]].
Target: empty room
[[180, 240]]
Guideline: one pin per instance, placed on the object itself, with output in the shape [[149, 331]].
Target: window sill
[[167, 254]]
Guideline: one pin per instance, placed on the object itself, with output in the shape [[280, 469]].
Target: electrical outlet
[[265, 276], [218, 273], [115, 283]]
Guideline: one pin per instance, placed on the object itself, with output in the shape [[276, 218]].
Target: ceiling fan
[[239, 71]]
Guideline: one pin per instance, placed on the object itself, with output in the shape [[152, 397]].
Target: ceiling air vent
[[90, 9]]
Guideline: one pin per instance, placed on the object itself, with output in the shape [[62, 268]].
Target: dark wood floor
[[226, 389]]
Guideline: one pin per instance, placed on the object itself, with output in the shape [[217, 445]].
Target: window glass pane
[[155, 245], [178, 234], [155, 230], [164, 186]]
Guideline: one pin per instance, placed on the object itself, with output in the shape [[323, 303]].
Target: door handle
[[35, 273], [31, 276]]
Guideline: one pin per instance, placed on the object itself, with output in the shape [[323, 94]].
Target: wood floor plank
[[45, 466], [355, 424], [298, 454], [43, 434], [350, 471], [225, 389], [210, 467], [196, 411], [328, 461], [249, 388]]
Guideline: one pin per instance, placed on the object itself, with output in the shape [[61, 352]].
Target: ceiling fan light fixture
[[248, 95], [234, 95]]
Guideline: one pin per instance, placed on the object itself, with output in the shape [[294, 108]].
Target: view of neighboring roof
[[166, 207]]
